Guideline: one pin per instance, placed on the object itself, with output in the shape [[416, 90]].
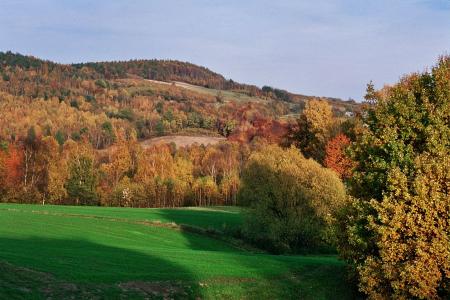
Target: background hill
[[152, 97], [160, 70]]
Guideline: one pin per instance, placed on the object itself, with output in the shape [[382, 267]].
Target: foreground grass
[[89, 252]]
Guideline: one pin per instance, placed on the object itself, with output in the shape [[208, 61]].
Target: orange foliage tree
[[335, 157], [13, 166]]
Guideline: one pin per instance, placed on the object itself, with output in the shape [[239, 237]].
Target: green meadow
[[64, 252]]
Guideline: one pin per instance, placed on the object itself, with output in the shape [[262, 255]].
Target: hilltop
[[159, 70]]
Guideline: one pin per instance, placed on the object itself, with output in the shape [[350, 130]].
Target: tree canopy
[[396, 233], [292, 200]]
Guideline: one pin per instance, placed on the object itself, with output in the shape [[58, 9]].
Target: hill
[[164, 70], [117, 253], [160, 70], [185, 72], [149, 97]]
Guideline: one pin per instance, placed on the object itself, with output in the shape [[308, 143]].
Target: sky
[[321, 48]]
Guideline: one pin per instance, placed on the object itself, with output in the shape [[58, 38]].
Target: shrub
[[292, 200]]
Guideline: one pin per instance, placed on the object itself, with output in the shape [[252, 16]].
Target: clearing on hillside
[[182, 141]]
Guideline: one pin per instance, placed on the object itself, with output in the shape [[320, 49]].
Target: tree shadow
[[60, 268], [271, 276], [214, 269], [216, 220]]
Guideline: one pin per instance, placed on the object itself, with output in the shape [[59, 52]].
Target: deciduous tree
[[292, 200], [336, 157], [396, 233]]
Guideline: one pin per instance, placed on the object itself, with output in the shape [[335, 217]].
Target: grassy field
[[227, 95], [120, 253]]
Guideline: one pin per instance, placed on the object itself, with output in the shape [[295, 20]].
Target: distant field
[[61, 252], [182, 141], [227, 95]]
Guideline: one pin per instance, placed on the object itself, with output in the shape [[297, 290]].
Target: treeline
[[38, 169], [9, 59], [167, 70]]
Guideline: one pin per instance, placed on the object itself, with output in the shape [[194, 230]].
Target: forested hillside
[[77, 133]]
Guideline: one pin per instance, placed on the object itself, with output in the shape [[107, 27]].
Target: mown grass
[[90, 252]]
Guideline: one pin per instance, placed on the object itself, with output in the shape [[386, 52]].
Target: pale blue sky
[[329, 48]]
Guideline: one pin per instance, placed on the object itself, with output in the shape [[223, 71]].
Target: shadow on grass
[[38, 268], [303, 277], [215, 219]]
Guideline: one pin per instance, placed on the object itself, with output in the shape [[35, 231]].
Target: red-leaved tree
[[336, 158], [13, 164]]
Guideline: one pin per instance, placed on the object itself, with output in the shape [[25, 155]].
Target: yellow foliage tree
[[396, 232]]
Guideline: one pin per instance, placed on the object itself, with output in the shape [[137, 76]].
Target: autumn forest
[[72, 134], [363, 184]]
